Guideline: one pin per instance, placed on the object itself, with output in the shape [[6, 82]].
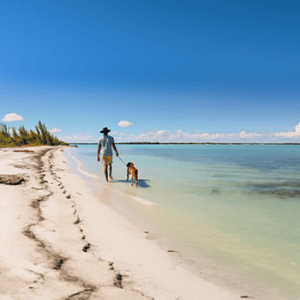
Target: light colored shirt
[[105, 143]]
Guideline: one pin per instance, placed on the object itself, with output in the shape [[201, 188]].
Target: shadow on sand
[[141, 182]]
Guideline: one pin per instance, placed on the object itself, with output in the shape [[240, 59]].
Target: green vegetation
[[10, 137]]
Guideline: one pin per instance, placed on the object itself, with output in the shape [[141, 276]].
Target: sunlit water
[[237, 206]]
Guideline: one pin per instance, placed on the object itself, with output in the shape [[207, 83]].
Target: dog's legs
[[127, 176], [131, 180], [136, 177]]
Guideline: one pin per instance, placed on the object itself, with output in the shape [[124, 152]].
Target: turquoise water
[[235, 206]]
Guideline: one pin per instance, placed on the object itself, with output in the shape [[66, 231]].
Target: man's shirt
[[105, 143]]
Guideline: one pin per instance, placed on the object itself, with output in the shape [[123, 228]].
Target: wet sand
[[59, 242]]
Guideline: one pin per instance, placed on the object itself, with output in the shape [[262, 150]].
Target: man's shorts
[[107, 160]]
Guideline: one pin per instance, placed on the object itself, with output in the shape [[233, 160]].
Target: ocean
[[230, 211]]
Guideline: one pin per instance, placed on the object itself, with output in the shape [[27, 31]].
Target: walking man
[[105, 144]]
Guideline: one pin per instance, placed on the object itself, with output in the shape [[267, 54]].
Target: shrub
[[20, 137]]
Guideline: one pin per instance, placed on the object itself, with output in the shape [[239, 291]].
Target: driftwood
[[23, 151], [11, 179]]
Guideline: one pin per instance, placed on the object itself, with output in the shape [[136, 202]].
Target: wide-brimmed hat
[[105, 130]]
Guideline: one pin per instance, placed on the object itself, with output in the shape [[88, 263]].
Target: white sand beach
[[59, 242]]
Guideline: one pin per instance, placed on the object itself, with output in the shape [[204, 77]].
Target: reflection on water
[[142, 182]]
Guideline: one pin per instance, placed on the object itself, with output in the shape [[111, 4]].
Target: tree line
[[11, 137]]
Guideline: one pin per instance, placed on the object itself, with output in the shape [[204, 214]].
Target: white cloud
[[124, 124], [243, 135], [290, 134], [12, 117], [78, 138], [54, 130]]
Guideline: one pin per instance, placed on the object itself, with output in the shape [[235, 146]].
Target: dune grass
[[11, 137]]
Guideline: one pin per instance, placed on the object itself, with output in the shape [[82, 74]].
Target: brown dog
[[133, 172]]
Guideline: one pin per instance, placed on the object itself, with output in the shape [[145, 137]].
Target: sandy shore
[[59, 242]]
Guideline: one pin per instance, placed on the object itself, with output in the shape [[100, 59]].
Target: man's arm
[[114, 146], [98, 152]]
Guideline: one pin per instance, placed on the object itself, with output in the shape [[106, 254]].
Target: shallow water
[[237, 206]]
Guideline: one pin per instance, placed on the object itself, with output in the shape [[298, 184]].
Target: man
[[104, 146]]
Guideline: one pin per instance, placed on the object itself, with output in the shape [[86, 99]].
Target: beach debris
[[68, 197], [23, 151], [86, 294], [172, 251], [22, 166], [118, 280], [59, 264], [86, 247], [245, 297], [146, 231], [11, 179], [29, 233], [77, 221]]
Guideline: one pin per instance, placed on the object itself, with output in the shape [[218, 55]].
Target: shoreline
[[220, 271], [62, 243], [191, 143]]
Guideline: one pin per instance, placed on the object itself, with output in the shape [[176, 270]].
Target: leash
[[122, 161]]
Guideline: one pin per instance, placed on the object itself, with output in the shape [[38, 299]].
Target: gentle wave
[[79, 168], [143, 201]]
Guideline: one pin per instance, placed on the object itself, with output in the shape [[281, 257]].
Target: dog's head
[[130, 164]]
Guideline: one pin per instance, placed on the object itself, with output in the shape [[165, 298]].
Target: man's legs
[[107, 163], [105, 173], [110, 171]]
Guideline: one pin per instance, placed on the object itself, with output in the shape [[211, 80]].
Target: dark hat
[[105, 130]]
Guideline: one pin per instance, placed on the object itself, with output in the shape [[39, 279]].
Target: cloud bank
[[197, 136], [162, 135], [12, 117], [54, 130], [124, 124], [78, 138]]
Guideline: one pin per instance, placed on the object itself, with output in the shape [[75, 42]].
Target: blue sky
[[186, 71]]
